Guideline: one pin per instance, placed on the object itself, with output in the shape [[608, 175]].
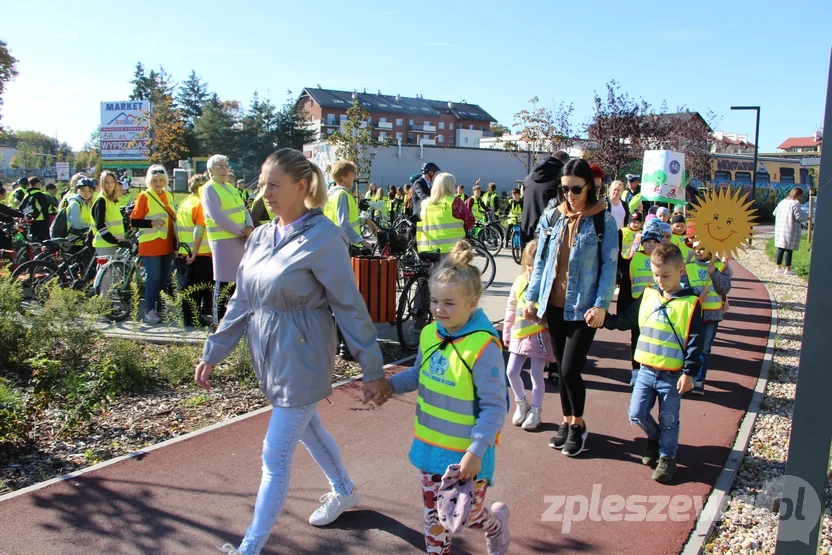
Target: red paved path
[[199, 493]]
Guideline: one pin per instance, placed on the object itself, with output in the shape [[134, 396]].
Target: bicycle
[[56, 265], [516, 241], [115, 279], [489, 232]]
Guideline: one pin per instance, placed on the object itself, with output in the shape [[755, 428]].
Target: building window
[[330, 119], [330, 131], [806, 177], [440, 138], [411, 123], [382, 136], [451, 126], [471, 127], [786, 175], [722, 175], [343, 118], [370, 120], [763, 177], [441, 125], [399, 122], [398, 136], [742, 177], [382, 120], [427, 123]]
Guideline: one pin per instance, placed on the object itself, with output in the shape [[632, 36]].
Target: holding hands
[[595, 317], [377, 391]]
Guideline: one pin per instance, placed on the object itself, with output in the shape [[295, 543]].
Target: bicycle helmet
[[430, 167], [84, 182], [414, 177]]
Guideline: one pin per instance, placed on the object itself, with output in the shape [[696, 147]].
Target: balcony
[[423, 128], [384, 125], [428, 142], [329, 123]]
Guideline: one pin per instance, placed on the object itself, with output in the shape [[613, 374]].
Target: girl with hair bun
[[462, 404]]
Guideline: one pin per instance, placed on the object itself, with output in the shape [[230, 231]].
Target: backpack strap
[[598, 221]]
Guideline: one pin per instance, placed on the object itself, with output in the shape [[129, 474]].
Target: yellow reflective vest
[[231, 204], [113, 222], [522, 327], [699, 279], [156, 211], [445, 406], [664, 326], [515, 212], [477, 208], [438, 230], [186, 229], [641, 274], [628, 237], [687, 252], [333, 198]]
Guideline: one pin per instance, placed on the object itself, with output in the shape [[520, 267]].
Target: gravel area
[[748, 524], [132, 423]]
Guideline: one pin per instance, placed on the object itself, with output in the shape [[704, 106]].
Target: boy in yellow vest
[[669, 319], [711, 279], [628, 235], [680, 235]]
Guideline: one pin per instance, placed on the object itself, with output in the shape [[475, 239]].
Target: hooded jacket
[[491, 406], [541, 187]]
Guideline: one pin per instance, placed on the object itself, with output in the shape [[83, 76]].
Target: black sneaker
[[651, 454], [665, 470], [575, 441], [698, 388], [559, 439]]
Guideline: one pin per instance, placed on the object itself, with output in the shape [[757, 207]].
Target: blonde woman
[[289, 285], [154, 216], [435, 230], [109, 224], [617, 207]]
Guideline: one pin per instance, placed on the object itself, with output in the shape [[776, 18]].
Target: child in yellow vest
[[712, 282], [462, 403], [669, 318], [629, 234], [680, 236], [527, 341]]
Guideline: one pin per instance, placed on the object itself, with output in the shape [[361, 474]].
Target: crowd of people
[[276, 274]]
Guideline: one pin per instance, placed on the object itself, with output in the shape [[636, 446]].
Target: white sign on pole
[[123, 125], [661, 178], [62, 171]]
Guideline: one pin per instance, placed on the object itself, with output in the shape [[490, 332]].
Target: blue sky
[[706, 55]]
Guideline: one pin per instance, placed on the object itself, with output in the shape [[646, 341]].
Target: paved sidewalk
[[192, 495]]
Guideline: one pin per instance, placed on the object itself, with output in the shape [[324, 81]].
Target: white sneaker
[[333, 506], [520, 412], [498, 543], [229, 549], [779, 270], [789, 273], [152, 318], [532, 421]]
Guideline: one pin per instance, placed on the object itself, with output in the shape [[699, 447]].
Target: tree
[[258, 137], [692, 134], [356, 140], [499, 130], [192, 95], [215, 132], [8, 69], [293, 130], [25, 158], [616, 128], [90, 156], [151, 86], [165, 134], [542, 132]]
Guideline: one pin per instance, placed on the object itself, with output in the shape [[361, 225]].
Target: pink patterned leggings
[[437, 538]]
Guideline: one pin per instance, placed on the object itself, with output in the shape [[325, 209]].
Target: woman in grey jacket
[[291, 281]]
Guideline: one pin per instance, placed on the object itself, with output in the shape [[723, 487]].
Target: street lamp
[[756, 148]]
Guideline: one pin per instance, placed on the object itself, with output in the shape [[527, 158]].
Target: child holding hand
[[462, 403], [527, 341]]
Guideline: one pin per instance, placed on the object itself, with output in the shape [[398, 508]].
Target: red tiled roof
[[792, 142], [729, 141]]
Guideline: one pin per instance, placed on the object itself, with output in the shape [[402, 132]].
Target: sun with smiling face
[[723, 222]]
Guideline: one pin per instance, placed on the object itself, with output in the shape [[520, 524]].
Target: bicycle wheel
[[366, 232], [516, 246], [413, 312], [485, 262], [114, 284], [34, 275], [492, 239]]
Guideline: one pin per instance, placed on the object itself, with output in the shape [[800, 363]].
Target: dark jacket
[[39, 203], [541, 187], [693, 353], [421, 191], [8, 214], [99, 214]]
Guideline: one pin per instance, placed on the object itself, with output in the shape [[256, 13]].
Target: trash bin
[[376, 279]]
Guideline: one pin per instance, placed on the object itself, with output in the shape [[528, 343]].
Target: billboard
[[62, 171], [122, 126]]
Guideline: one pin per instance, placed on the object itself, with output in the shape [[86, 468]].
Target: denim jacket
[[584, 289]]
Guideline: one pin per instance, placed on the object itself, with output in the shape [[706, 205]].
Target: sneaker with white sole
[[789, 273], [498, 543], [532, 420], [152, 317], [334, 505], [230, 549], [520, 412]]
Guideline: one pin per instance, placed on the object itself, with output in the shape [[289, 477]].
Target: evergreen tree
[[192, 95], [293, 130], [214, 131]]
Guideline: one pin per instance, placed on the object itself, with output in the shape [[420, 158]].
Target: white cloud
[[386, 14]]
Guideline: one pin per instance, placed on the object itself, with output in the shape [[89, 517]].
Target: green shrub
[[237, 368], [177, 362], [132, 373], [12, 328], [14, 418]]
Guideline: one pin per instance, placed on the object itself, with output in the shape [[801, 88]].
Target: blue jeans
[[655, 384], [287, 426], [158, 276], [708, 336]]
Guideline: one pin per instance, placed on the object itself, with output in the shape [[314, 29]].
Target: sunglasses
[[575, 189], [157, 172]]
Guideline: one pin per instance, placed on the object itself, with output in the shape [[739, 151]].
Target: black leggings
[[788, 257], [571, 342]]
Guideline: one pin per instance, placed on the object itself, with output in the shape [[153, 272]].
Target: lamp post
[[756, 148]]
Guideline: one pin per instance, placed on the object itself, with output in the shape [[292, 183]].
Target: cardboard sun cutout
[[723, 222]]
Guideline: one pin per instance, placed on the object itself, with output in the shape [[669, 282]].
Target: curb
[[712, 511], [142, 452]]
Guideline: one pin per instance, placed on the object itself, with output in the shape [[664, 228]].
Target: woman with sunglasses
[[154, 216], [572, 285]]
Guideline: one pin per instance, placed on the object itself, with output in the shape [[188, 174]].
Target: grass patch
[[801, 258]]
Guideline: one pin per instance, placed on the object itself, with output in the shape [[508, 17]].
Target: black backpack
[[60, 225]]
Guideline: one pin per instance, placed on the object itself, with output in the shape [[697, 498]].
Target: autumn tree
[[616, 129], [542, 131], [165, 134], [8, 69], [499, 130], [354, 141], [26, 157]]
